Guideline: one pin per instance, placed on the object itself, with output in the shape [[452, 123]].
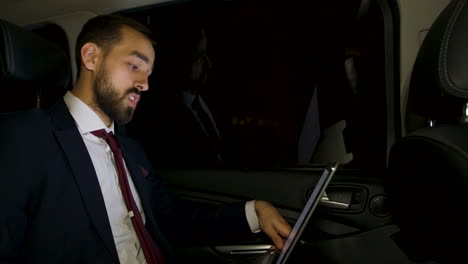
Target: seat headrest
[[25, 56], [440, 75]]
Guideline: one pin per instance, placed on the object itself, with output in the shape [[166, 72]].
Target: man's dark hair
[[105, 31]]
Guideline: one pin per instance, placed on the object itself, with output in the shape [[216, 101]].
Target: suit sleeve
[[16, 180], [188, 223], [13, 200]]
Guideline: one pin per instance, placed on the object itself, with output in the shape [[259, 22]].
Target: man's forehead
[[136, 44]]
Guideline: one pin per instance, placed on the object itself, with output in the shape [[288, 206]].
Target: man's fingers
[[277, 240], [272, 223], [280, 233], [283, 229]]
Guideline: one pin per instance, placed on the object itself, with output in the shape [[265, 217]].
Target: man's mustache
[[133, 90]]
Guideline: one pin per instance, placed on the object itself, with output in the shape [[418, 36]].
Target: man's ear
[[89, 56]]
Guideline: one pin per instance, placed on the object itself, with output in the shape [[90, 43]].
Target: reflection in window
[[266, 59]]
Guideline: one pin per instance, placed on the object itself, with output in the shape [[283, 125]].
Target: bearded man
[[76, 190]]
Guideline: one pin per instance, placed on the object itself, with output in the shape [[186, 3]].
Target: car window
[[288, 85]]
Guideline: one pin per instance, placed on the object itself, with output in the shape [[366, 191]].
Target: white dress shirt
[[125, 238]]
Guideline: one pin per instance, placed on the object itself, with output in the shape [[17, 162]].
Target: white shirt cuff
[[252, 217]]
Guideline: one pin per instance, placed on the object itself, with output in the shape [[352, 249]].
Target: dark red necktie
[[151, 251]]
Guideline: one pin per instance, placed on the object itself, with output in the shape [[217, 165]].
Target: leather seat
[[31, 69], [428, 180]]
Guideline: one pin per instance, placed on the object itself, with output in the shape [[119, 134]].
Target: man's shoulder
[[24, 124], [30, 119]]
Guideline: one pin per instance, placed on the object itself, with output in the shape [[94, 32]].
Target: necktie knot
[[108, 137]]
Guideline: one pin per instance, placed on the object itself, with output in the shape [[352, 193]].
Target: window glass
[[285, 85]]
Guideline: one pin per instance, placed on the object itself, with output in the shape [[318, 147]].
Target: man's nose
[[142, 84]]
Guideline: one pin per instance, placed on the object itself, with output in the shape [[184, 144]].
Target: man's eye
[[133, 67]]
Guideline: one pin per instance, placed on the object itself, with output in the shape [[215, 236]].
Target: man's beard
[[108, 100]]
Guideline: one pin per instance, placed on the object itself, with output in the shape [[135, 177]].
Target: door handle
[[326, 202], [243, 249]]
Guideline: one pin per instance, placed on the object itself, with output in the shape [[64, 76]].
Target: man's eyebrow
[[140, 55]]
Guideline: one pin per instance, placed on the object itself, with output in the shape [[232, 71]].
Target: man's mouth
[[133, 99]]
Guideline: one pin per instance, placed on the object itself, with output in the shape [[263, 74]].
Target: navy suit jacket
[[51, 205]]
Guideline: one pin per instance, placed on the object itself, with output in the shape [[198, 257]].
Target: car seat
[[428, 179], [31, 68]]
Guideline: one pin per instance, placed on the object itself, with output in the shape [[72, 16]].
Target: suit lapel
[[143, 186], [84, 173], [136, 173]]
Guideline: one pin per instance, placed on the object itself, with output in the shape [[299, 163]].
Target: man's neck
[[86, 95]]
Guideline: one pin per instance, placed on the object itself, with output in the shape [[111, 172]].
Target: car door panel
[[288, 190]]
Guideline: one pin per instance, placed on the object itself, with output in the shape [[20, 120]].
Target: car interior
[[296, 86], [429, 167]]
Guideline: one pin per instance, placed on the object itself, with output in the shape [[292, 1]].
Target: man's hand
[[272, 223]]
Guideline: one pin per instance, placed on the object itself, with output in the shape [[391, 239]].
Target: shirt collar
[[85, 118]]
